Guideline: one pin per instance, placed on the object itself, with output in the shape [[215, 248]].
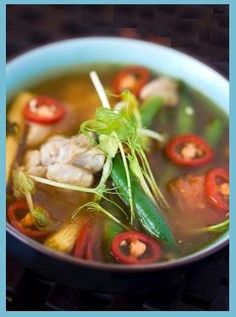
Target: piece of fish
[[59, 149], [50, 150], [92, 160], [163, 87], [32, 163], [69, 174]]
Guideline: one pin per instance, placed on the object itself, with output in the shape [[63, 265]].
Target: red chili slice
[[217, 188], [44, 110], [132, 78], [81, 242], [188, 150], [94, 243], [88, 244], [122, 248], [19, 207]]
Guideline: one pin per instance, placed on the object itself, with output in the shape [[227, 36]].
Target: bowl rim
[[186, 260]]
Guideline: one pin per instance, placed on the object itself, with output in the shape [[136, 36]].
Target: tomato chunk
[[217, 188], [133, 247], [132, 78], [44, 110], [188, 150], [189, 197]]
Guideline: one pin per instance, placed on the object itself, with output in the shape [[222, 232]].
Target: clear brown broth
[[75, 89]]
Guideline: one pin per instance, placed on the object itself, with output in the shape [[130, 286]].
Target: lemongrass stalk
[[99, 89], [29, 201]]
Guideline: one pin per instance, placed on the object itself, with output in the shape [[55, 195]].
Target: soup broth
[[75, 90]]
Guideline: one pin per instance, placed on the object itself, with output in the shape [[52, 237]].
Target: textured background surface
[[201, 31]]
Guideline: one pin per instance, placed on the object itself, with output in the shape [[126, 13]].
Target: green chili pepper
[[149, 110], [148, 215], [214, 132]]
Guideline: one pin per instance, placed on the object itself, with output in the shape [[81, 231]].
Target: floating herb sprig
[[23, 185]]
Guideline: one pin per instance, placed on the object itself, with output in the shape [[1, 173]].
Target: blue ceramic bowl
[[40, 62]]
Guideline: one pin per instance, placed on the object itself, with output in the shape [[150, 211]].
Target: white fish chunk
[[163, 87], [59, 149], [32, 163], [92, 160], [82, 140], [49, 151], [69, 174]]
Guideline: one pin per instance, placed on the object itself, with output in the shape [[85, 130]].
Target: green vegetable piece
[[149, 110], [214, 132], [42, 218], [111, 229], [22, 184], [150, 218], [185, 122], [218, 228]]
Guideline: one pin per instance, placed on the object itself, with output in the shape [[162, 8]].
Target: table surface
[[199, 30]]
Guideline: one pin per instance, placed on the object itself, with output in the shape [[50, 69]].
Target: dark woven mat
[[200, 30]]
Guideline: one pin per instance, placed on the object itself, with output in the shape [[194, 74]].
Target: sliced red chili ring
[[18, 207], [44, 110], [217, 188], [188, 150], [132, 78], [133, 247]]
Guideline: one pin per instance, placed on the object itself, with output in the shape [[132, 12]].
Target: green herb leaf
[[137, 171], [22, 184], [108, 122], [95, 207], [131, 106], [107, 167], [108, 144]]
